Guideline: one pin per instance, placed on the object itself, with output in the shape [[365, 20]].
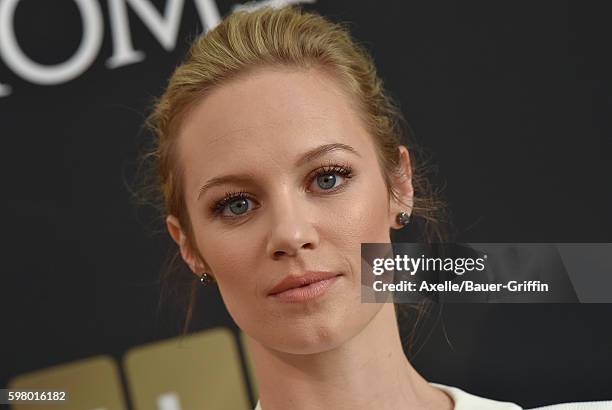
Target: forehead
[[268, 117]]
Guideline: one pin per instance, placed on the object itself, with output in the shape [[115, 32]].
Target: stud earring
[[205, 279], [403, 218]]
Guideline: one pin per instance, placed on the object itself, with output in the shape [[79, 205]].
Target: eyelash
[[343, 170]]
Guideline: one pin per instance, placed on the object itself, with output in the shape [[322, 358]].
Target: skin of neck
[[368, 371]]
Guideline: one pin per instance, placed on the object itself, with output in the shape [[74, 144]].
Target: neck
[[368, 371]]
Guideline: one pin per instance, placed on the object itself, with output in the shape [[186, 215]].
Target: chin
[[316, 335], [305, 346], [312, 341]]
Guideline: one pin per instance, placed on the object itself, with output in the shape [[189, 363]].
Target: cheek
[[234, 262], [361, 217], [232, 259]]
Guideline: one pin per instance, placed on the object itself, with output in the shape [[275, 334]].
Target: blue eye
[[239, 206], [326, 181], [237, 203], [331, 177]]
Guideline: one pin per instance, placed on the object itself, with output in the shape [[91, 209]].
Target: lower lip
[[308, 292]]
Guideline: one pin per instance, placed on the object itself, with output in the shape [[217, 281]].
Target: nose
[[291, 227]]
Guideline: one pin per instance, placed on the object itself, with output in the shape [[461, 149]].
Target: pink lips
[[303, 287]]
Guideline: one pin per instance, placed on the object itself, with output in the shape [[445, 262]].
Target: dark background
[[512, 99]]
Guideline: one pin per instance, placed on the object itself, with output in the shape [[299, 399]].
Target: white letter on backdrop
[[165, 29], [22, 65], [209, 13]]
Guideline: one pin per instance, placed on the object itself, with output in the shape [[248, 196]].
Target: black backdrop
[[511, 98]]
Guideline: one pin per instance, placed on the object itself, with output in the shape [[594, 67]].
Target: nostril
[[308, 245], [284, 253]]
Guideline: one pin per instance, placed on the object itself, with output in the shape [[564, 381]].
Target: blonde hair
[[290, 37]]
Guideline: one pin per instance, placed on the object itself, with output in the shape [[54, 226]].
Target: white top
[[467, 401]]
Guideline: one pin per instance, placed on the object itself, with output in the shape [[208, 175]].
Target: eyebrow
[[309, 156]]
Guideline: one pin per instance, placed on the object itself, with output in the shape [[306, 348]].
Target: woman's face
[[281, 178]]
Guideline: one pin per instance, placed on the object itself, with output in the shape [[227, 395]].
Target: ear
[[402, 185], [187, 253]]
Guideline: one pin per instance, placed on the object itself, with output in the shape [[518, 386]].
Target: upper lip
[[295, 281]]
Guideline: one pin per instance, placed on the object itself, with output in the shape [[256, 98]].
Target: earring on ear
[[403, 218], [205, 279]]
